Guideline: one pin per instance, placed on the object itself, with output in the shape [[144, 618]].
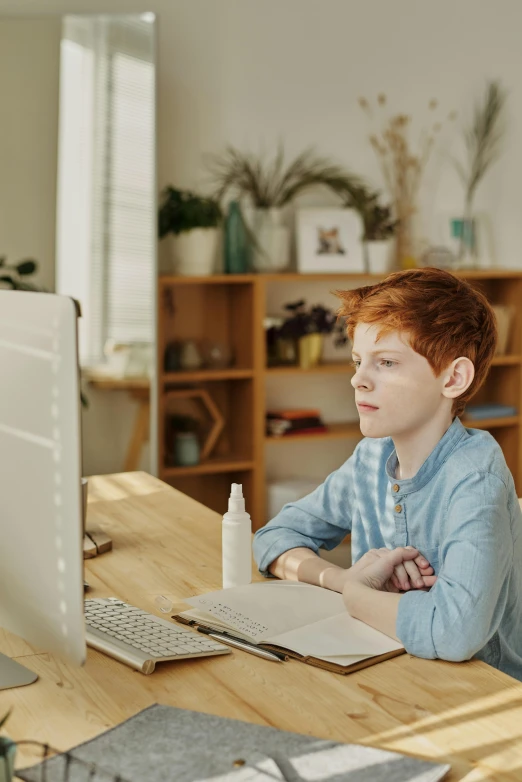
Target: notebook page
[[261, 611], [336, 636]]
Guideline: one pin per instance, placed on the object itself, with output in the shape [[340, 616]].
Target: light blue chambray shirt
[[460, 510]]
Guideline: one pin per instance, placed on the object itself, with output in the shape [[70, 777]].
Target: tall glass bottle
[[238, 244]]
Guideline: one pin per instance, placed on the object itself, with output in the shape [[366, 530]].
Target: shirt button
[[398, 508], [396, 487]]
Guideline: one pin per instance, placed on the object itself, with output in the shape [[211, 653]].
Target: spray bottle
[[236, 541]]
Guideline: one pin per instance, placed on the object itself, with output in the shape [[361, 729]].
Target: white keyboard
[[140, 639]]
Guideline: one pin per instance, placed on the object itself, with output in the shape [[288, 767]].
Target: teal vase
[[238, 245]]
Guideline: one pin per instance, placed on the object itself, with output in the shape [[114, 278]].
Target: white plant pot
[[195, 252], [380, 256], [272, 253]]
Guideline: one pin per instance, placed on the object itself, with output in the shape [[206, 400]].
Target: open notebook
[[309, 623]]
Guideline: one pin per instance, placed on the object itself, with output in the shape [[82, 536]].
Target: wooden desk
[[467, 714]]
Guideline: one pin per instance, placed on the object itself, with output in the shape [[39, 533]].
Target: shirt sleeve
[[320, 520], [463, 610]]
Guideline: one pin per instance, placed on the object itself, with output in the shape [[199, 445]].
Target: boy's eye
[[387, 363], [356, 363]]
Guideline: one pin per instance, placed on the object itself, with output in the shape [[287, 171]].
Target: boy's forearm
[[303, 564], [375, 608]]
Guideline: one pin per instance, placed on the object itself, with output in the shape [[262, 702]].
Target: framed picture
[[329, 240]]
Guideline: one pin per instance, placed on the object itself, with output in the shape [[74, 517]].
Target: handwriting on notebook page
[[235, 619]]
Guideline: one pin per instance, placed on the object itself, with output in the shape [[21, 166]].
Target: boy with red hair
[[431, 505]]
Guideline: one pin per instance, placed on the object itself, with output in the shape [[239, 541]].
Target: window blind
[[118, 290]]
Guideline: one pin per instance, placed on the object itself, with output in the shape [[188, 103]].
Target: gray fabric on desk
[[162, 743]]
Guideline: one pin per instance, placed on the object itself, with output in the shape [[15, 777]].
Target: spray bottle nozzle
[[236, 502]]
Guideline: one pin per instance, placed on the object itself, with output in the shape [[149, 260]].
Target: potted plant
[[268, 187], [306, 328], [193, 220], [7, 753], [379, 230]]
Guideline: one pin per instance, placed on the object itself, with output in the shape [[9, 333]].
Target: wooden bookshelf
[[230, 309]]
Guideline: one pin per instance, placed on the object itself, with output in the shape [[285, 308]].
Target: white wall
[[251, 72], [29, 58]]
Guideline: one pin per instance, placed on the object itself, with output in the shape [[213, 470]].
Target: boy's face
[[396, 390]]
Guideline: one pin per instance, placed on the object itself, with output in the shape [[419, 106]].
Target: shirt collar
[[433, 463]]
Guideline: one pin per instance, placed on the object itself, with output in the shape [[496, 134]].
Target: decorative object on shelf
[[489, 410], [217, 355], [190, 356], [504, 314], [401, 167], [269, 187], [304, 328], [172, 358], [14, 276], [201, 397], [181, 440], [186, 449], [438, 256], [193, 221], [482, 138], [310, 350], [7, 753], [271, 326], [379, 232], [329, 241], [287, 423], [238, 241], [379, 229]]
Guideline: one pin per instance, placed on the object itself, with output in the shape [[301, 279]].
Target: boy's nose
[[360, 379]]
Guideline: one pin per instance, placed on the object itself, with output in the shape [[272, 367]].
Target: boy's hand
[[415, 573], [403, 567]]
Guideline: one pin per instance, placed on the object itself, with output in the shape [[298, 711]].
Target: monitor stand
[[12, 674]]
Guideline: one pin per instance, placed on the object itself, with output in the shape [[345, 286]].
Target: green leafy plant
[[378, 221], [483, 139], [183, 210], [273, 184], [15, 275], [304, 320]]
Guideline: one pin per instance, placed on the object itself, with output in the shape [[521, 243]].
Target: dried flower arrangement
[[401, 166]]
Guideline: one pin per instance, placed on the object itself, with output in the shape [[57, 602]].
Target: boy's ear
[[458, 377]]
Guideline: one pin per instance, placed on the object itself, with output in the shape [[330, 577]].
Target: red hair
[[444, 316]]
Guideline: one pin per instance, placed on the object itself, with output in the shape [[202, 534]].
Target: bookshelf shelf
[[334, 367], [204, 375], [231, 309], [491, 423], [208, 467], [335, 431]]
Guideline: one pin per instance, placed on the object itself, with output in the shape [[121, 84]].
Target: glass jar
[[186, 449]]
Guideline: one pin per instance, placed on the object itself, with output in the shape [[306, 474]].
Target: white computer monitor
[[41, 538]]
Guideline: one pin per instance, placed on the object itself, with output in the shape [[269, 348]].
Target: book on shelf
[[294, 422], [306, 622], [489, 410]]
